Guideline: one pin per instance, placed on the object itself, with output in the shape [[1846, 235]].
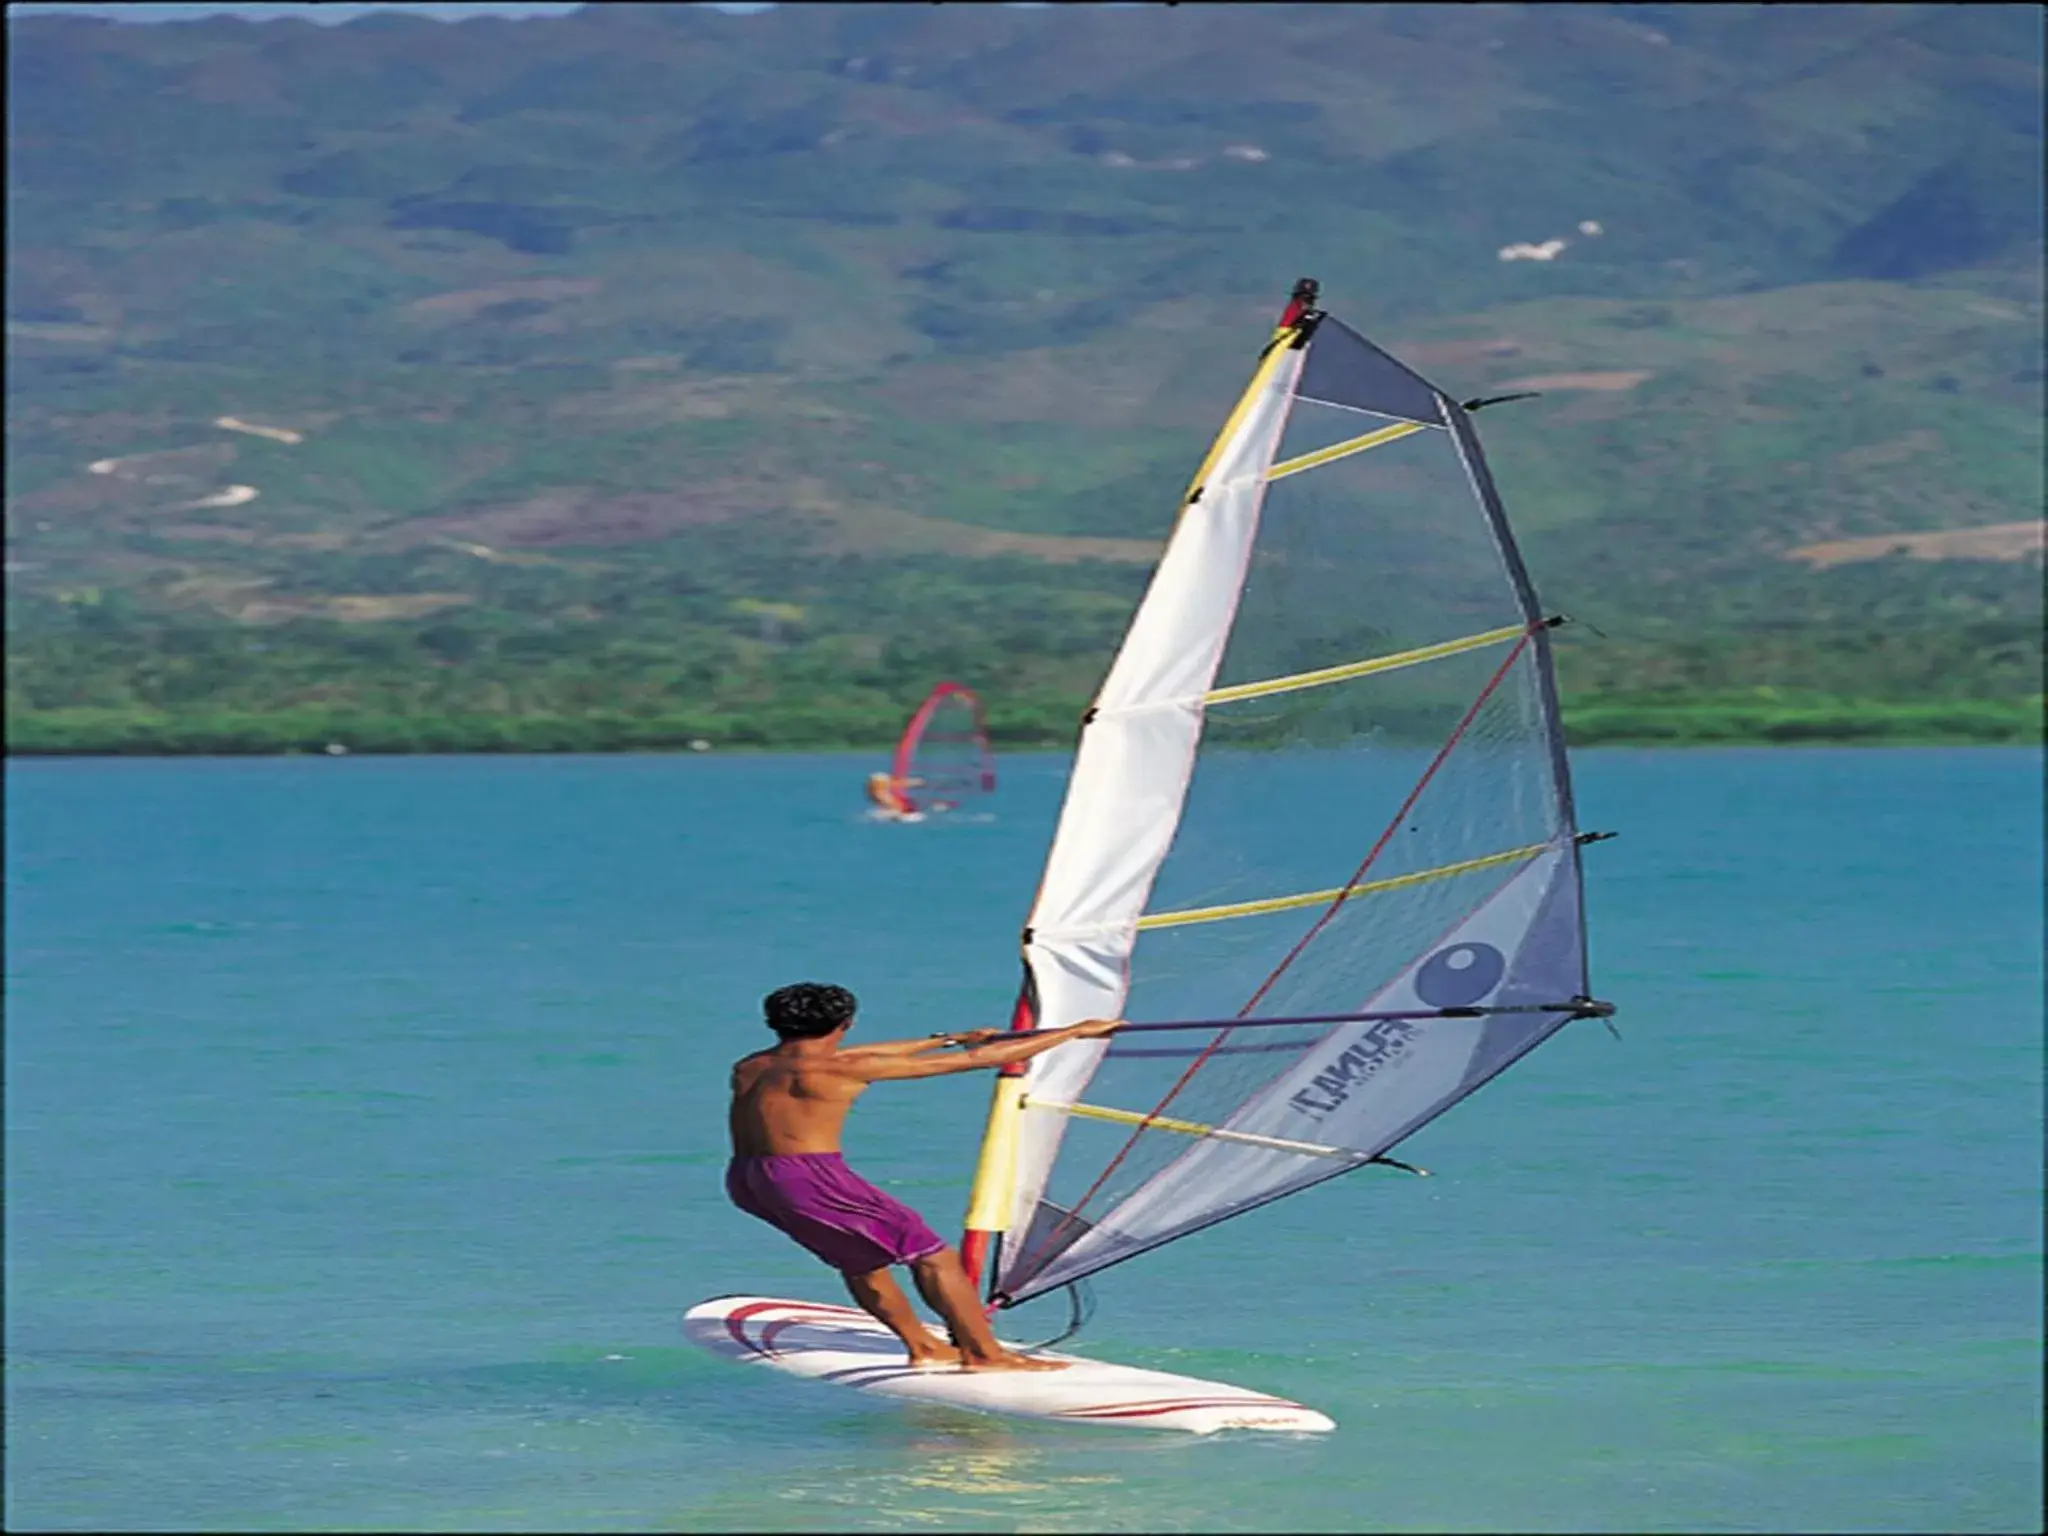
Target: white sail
[[1138, 749], [1323, 779]]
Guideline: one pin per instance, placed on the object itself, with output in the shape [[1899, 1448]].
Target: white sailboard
[[1318, 839], [845, 1347]]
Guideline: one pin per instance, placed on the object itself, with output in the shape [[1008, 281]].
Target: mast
[[1174, 640], [995, 1169]]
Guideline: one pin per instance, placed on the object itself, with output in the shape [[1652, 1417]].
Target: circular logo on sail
[[1459, 976]]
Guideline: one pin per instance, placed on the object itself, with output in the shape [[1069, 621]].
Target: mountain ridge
[[715, 310]]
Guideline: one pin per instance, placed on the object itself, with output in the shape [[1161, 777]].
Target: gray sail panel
[[1345, 369]]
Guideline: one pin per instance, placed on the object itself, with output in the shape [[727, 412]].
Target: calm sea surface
[[364, 1129]]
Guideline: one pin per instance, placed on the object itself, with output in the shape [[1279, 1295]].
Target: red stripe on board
[[1192, 1403], [734, 1319], [1183, 1402], [739, 1315], [1144, 1402]]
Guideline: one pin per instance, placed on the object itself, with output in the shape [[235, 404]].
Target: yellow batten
[[1351, 669], [1345, 893], [995, 1175], [1345, 449], [1190, 1128]]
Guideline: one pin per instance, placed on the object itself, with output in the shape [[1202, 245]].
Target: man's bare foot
[[934, 1356], [1009, 1360]]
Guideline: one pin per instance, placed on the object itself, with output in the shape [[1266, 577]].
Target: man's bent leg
[[882, 1298], [942, 1281]]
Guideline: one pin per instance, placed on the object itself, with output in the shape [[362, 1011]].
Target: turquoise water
[[364, 1125]]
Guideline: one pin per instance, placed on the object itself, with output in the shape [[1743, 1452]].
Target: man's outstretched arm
[[999, 1052], [921, 1044]]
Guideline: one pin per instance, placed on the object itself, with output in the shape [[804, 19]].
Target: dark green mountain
[[656, 372]]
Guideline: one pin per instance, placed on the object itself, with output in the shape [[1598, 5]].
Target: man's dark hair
[[807, 1009]]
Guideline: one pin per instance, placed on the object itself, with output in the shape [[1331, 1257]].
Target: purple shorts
[[842, 1218]]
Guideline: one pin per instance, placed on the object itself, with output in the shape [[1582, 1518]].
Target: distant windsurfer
[[789, 1105], [886, 796]]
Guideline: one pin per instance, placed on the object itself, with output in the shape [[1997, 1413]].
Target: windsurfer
[[887, 798], [789, 1105]]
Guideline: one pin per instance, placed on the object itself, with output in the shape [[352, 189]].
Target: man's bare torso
[[792, 1099], [784, 1104]]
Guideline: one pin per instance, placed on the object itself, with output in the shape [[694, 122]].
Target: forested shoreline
[[1591, 723]]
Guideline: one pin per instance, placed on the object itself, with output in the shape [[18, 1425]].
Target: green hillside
[[654, 373]]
